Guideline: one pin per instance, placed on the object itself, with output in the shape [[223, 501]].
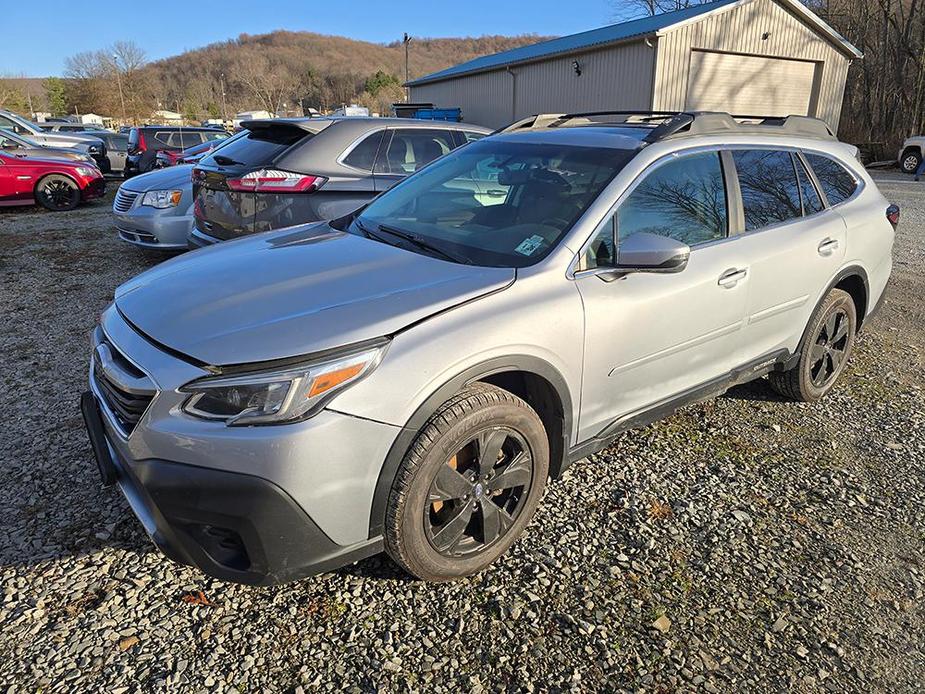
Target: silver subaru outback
[[408, 378]]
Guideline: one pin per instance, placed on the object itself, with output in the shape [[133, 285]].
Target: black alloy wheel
[[476, 495], [57, 193], [829, 348], [468, 485]]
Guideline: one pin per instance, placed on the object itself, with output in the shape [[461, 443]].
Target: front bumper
[[96, 188], [254, 505], [148, 227]]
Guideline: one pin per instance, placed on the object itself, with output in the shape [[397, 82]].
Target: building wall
[[618, 77], [740, 30]]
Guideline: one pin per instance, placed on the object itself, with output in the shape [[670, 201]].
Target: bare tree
[[628, 9]]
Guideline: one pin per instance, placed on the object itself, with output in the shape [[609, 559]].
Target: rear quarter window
[[260, 146], [836, 181]]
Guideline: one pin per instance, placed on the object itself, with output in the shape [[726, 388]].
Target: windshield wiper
[[226, 161], [424, 244]]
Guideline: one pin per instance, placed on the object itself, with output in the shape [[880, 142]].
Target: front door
[[652, 337]]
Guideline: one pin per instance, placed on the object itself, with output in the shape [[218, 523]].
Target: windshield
[[494, 203], [9, 140]]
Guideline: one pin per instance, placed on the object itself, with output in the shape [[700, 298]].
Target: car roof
[[361, 123], [609, 136]]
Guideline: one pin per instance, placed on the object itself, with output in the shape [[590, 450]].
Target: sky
[[167, 27]]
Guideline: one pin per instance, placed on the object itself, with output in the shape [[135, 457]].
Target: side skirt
[[706, 391]]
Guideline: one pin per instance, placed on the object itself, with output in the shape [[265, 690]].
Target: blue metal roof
[[574, 42]]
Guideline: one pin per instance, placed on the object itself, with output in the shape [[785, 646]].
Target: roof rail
[[680, 123]]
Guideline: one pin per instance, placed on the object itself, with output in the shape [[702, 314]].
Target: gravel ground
[[746, 543]]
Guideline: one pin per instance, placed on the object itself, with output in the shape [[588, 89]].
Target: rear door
[[406, 150], [794, 246], [227, 204]]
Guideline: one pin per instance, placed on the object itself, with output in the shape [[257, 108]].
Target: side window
[[363, 156], [837, 183], [812, 203], [684, 199], [7, 124], [770, 190], [411, 148], [164, 137], [190, 139], [470, 136]]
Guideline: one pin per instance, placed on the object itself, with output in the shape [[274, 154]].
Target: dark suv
[[145, 142], [291, 171]]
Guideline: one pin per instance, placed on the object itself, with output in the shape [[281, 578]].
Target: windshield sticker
[[529, 246]]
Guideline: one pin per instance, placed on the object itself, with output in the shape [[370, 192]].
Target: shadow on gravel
[[755, 391], [379, 567]]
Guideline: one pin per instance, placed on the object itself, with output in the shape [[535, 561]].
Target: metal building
[[747, 57]]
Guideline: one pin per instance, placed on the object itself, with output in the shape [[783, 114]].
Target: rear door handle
[[828, 247], [731, 278]]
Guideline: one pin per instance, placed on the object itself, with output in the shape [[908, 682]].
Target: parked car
[[22, 146], [155, 210], [72, 127], [191, 155], [408, 376], [55, 184], [116, 150], [291, 171], [12, 122], [911, 154], [146, 141]]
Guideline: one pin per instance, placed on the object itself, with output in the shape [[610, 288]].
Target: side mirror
[[645, 252]]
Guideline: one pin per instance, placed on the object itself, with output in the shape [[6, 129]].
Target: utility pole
[[224, 109], [406, 41], [115, 61]]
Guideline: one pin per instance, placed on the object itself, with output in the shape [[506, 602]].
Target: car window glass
[[363, 156], [8, 143], [7, 124], [472, 136], [837, 183], [770, 191], [163, 136], [812, 203], [684, 199], [190, 139], [504, 204], [259, 147], [410, 149]]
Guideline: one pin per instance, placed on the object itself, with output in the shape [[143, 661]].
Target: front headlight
[[162, 199], [86, 172], [283, 395]]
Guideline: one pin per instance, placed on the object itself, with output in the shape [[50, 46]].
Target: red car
[[190, 155], [55, 185]]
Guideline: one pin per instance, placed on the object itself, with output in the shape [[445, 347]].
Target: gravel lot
[[747, 543]]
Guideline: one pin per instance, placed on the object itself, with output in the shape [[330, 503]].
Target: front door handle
[[731, 278], [828, 247]]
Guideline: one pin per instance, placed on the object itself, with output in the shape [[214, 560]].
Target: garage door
[[750, 84]]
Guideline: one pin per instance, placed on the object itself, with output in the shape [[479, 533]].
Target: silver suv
[[408, 377]]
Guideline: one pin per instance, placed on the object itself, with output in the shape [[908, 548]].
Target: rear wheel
[[469, 485], [57, 193], [824, 354]]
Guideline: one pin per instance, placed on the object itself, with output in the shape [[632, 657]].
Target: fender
[[848, 271], [409, 431]]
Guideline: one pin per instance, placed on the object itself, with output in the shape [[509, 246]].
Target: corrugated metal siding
[[739, 30], [619, 77]]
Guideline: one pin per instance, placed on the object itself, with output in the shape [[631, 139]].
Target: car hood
[[293, 292], [174, 177]]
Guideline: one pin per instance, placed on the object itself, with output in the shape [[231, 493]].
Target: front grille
[[124, 200], [127, 405]]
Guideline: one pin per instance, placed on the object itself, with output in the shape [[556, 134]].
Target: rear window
[[260, 146], [836, 181]]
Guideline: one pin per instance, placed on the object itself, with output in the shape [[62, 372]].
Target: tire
[[424, 513], [57, 193], [911, 161], [825, 352]]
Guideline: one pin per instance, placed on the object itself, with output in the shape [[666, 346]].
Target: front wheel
[[911, 161], [468, 486], [825, 353], [57, 193]]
